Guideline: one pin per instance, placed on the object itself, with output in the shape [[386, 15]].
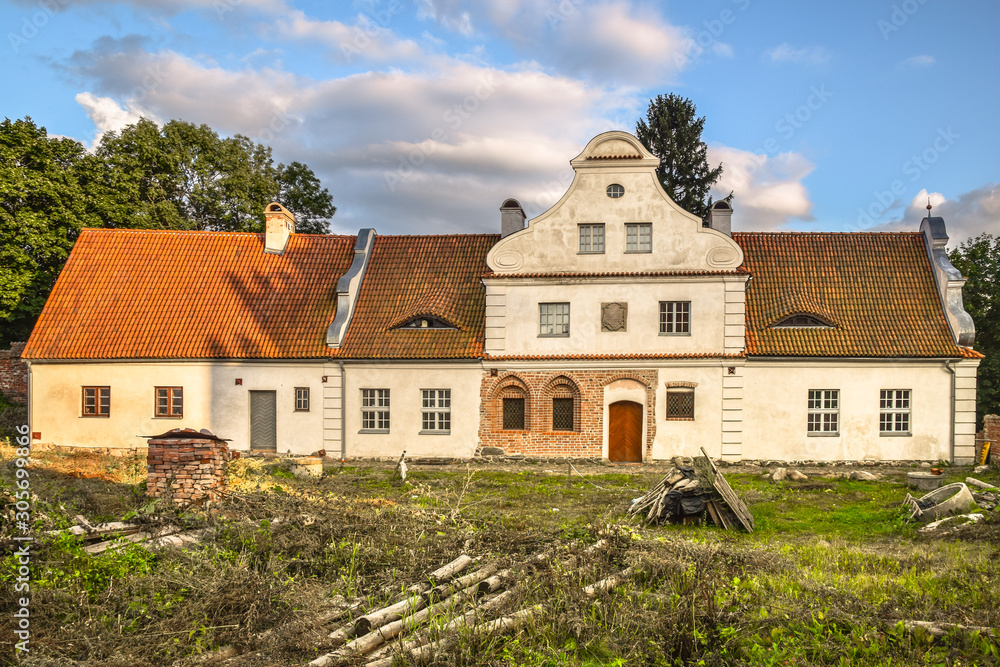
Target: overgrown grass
[[831, 569]]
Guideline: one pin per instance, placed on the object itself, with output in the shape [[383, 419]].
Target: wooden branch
[[369, 642], [610, 582], [939, 629], [444, 590]]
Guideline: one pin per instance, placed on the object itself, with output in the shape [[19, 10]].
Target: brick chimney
[[720, 217], [279, 224], [511, 218]]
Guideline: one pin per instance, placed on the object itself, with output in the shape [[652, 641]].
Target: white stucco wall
[[683, 437], [212, 400], [405, 381], [775, 410], [519, 317]]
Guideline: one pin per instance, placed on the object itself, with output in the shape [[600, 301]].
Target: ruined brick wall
[[538, 388], [190, 469], [14, 374], [991, 433]]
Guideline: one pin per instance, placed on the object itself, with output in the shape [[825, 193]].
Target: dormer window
[[802, 321], [427, 322]]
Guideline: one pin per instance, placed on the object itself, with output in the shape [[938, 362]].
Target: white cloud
[[610, 40], [368, 39], [918, 61], [813, 55], [970, 214], [433, 151], [768, 191], [106, 114]]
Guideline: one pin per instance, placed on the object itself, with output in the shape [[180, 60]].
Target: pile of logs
[[101, 537], [691, 494]]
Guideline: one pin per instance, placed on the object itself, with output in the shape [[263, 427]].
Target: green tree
[[184, 176], [672, 132], [979, 260], [179, 176], [42, 209]]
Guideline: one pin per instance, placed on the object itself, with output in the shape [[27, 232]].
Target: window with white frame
[[894, 412], [375, 410], [553, 319], [591, 238], [435, 410], [675, 317], [639, 237], [824, 412]]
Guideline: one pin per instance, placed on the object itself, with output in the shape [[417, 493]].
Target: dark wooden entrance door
[[625, 432], [263, 420]]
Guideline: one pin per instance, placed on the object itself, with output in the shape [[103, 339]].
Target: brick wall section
[[14, 374], [538, 388], [991, 432], [190, 469]]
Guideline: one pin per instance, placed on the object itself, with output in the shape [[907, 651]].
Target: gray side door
[[263, 420]]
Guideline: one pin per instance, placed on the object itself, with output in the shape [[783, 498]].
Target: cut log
[[938, 629], [448, 571], [491, 584], [377, 619], [369, 642], [444, 590], [610, 582]]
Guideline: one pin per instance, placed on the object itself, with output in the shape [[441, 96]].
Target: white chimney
[[279, 224], [720, 217], [511, 217]]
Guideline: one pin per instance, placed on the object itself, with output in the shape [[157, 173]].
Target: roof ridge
[[826, 233], [202, 231]]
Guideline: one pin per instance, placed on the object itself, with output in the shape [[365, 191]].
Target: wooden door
[[625, 432], [263, 420]]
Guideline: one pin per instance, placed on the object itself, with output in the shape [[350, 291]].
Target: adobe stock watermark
[[278, 123], [375, 22], [455, 117], [22, 554], [898, 17], [786, 126], [31, 25], [709, 36], [919, 163]]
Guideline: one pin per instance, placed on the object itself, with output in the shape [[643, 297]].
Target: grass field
[[824, 580]]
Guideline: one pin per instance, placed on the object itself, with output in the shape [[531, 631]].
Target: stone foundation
[[186, 466]]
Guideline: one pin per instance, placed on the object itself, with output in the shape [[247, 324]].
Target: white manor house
[[614, 325]]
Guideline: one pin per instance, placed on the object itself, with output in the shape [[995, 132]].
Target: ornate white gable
[[551, 242]]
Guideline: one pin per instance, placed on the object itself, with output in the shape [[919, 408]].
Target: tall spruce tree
[[672, 132]]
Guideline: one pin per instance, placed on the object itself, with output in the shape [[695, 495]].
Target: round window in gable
[[615, 191]]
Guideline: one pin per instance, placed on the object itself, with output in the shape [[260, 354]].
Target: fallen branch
[[609, 583], [939, 629]]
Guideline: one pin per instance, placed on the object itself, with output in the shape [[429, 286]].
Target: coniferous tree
[[672, 132]]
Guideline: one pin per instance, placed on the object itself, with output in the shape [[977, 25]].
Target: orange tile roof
[[165, 294], [410, 276], [877, 288]]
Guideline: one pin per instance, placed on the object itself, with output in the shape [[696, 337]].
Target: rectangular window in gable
[[639, 237], [591, 238]]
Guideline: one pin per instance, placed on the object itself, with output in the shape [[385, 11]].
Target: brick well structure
[[991, 433], [14, 374], [538, 388], [186, 465]]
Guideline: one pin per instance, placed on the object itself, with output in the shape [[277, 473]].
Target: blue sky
[[422, 117]]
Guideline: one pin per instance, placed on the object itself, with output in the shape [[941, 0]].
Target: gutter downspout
[[343, 412], [951, 412]]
